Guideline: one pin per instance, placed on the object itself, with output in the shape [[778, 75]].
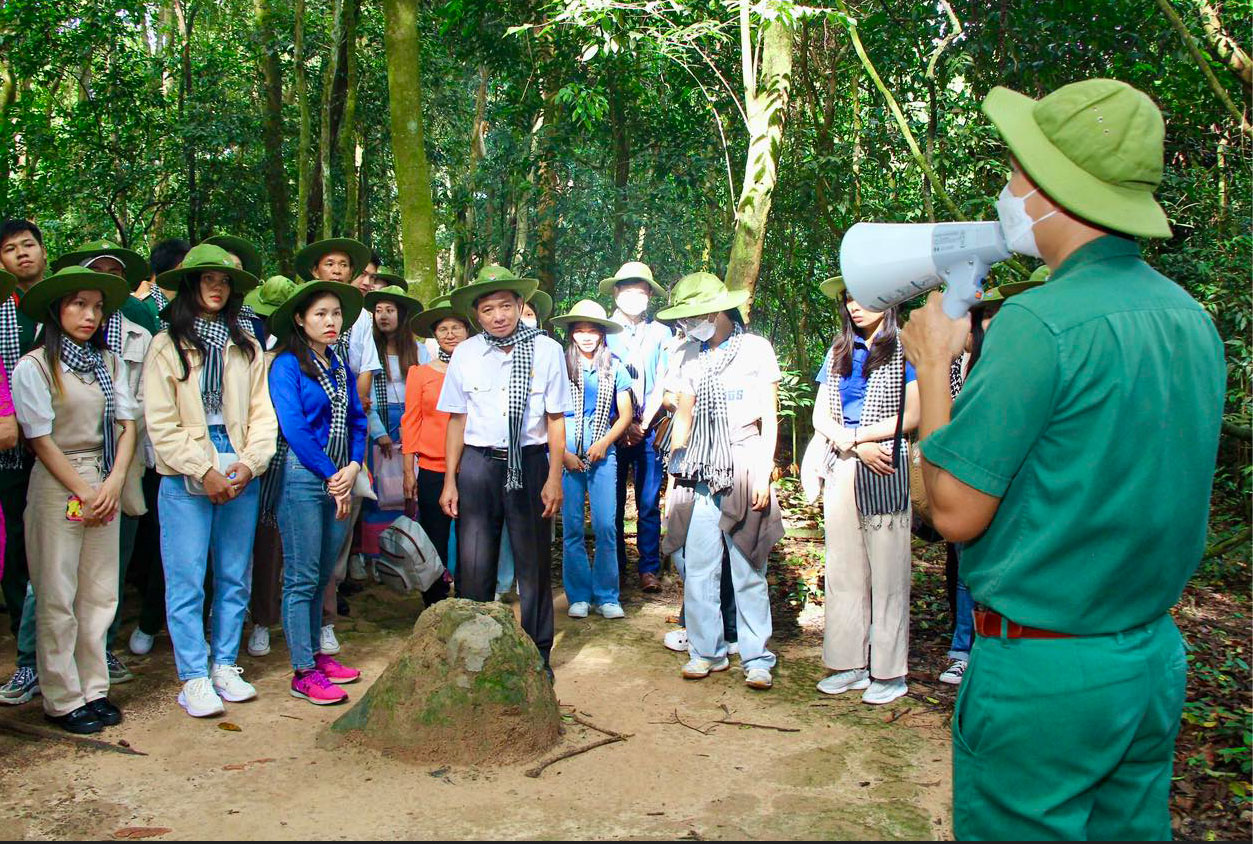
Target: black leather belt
[[503, 453]]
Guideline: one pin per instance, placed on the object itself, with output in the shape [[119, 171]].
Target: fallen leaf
[[141, 831], [261, 761], [229, 727], [235, 767]]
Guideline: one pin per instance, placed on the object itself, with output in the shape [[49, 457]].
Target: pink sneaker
[[336, 673], [315, 688]]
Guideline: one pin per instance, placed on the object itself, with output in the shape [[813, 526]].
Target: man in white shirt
[[507, 392]]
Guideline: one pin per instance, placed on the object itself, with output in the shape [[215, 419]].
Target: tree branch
[[1225, 47], [1190, 42]]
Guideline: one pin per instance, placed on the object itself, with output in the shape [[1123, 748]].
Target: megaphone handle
[[964, 290]]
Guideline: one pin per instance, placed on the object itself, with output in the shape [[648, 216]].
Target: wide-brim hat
[[391, 278], [492, 279], [306, 259], [208, 256], [440, 310], [698, 294], [542, 304], [282, 321], [70, 280], [631, 271], [1095, 147], [241, 249], [833, 287], [8, 283], [1010, 288], [136, 267], [394, 293], [586, 310], [270, 295]]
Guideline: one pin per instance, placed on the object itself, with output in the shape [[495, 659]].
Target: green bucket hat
[[393, 293], [492, 278], [833, 287], [441, 309], [1010, 288], [206, 256], [136, 268], [697, 294], [390, 277], [631, 271], [1095, 147], [1042, 273], [283, 320], [272, 293], [306, 259], [542, 304], [585, 310], [68, 280], [241, 249]]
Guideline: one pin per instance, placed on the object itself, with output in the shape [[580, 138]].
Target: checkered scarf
[[709, 458], [272, 482], [246, 317], [335, 384], [86, 359], [445, 356], [10, 353], [379, 385], [161, 301], [604, 402], [214, 334], [523, 341]]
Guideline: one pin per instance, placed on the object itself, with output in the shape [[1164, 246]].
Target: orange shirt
[[422, 428]]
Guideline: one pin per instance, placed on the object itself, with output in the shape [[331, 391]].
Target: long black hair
[[977, 315], [184, 309], [50, 338], [406, 340], [882, 347]]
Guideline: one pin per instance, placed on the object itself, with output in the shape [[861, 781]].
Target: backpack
[[409, 560]]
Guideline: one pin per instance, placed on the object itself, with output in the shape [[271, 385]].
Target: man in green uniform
[[1077, 467]]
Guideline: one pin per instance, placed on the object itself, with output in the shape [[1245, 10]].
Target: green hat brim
[[1010, 288], [282, 322], [425, 322], [463, 298], [241, 249], [542, 304], [242, 281], [392, 278], [36, 301], [1120, 209], [413, 305], [358, 255], [608, 285], [725, 302], [833, 287], [565, 321], [137, 270]]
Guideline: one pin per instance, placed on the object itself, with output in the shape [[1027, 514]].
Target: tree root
[[30, 731]]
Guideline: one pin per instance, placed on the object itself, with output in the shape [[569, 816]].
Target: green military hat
[[394, 293], [492, 279], [1003, 291], [631, 271], [542, 304], [441, 309], [833, 287], [134, 266], [390, 277], [71, 279], [242, 249], [207, 256], [283, 320], [306, 259], [272, 293], [588, 311], [698, 294], [1095, 147]]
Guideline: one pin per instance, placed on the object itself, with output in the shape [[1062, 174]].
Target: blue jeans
[[702, 587], [649, 474], [193, 531], [596, 582], [963, 624], [311, 540]]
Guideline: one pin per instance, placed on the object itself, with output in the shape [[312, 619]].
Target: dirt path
[[846, 773]]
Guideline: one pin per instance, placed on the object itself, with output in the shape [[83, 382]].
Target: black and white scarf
[[85, 359], [520, 369], [382, 401], [214, 334], [162, 302], [334, 383], [444, 356], [10, 354], [605, 392], [272, 482], [709, 458]]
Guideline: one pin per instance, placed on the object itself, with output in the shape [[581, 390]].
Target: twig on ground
[[592, 726], [675, 719], [758, 726], [292, 717], [900, 713], [539, 769], [30, 731]]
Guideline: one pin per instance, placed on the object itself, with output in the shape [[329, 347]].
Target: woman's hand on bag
[[385, 444], [217, 487], [242, 476], [572, 463], [341, 482], [877, 457], [844, 440]]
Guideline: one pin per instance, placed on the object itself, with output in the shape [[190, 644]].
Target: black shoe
[[81, 721], [108, 714]]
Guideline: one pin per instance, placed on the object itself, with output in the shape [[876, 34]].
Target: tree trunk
[[621, 168], [766, 100], [522, 230], [463, 237], [275, 174], [413, 177], [187, 19], [327, 138], [546, 204], [348, 129], [1224, 46], [304, 149]]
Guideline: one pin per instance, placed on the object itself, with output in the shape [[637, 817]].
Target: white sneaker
[[259, 641], [612, 611], [579, 609], [140, 643], [884, 691], [230, 685], [327, 643], [698, 669], [758, 678], [356, 568], [840, 682], [676, 640], [953, 674], [199, 698]]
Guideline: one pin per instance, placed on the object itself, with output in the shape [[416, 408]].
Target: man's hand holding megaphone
[[932, 341]]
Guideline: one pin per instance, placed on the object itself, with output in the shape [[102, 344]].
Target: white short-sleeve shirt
[[477, 384], [363, 354], [33, 401], [745, 380]]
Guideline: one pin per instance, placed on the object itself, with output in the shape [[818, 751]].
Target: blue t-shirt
[[591, 387], [853, 385]]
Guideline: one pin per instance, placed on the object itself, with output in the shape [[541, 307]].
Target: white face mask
[[1016, 223], [698, 329], [530, 323], [632, 302]]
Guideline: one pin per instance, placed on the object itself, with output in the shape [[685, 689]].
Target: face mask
[[632, 302], [1016, 223], [530, 323], [699, 329]]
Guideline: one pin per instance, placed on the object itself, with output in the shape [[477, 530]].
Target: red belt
[[988, 623]]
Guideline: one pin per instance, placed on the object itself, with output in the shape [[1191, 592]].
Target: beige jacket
[[174, 410], [135, 343]]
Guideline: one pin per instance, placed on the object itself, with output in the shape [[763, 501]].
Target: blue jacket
[[304, 414]]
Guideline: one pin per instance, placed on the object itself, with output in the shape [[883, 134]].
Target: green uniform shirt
[[142, 312], [1093, 414]]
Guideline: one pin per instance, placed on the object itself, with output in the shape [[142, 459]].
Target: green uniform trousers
[[1068, 739]]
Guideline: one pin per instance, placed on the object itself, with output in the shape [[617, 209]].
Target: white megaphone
[[884, 264]]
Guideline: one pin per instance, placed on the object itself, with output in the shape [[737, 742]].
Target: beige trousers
[[867, 583], [74, 571]]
